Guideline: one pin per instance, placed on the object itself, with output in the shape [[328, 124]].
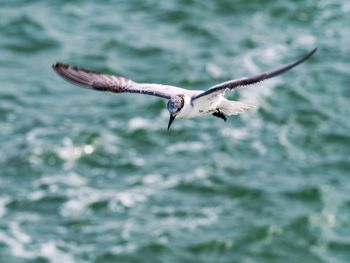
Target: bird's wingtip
[[307, 56], [58, 65], [312, 51]]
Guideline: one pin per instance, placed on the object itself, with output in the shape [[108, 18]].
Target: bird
[[182, 103]]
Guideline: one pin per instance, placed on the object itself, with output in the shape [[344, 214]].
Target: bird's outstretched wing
[[231, 84], [105, 82]]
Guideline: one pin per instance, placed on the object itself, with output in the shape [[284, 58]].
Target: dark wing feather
[[105, 82], [231, 84]]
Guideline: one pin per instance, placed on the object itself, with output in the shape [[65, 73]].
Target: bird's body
[[198, 108], [182, 103], [207, 106]]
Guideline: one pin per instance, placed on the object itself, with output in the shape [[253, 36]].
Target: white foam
[[74, 207], [50, 251], [80, 200], [185, 147], [139, 123], [16, 247], [127, 248], [36, 195], [288, 146], [237, 133], [126, 199], [329, 217], [88, 149], [35, 156], [152, 183], [305, 40], [259, 146], [151, 179], [71, 179], [33, 136], [70, 153], [214, 71], [17, 239], [345, 7], [207, 216], [200, 173], [19, 234], [138, 161], [4, 200], [131, 197]]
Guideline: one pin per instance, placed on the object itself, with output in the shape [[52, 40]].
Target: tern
[[182, 103]]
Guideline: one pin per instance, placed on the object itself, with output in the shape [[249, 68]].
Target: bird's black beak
[[172, 118]]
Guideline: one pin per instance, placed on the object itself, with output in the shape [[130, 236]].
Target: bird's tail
[[229, 107]]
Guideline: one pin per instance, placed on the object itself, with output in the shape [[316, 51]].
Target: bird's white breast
[[199, 107]]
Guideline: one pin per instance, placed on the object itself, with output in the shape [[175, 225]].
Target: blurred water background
[[96, 177]]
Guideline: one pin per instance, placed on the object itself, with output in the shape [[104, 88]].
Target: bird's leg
[[220, 115]]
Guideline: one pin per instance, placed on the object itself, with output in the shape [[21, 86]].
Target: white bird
[[182, 103]]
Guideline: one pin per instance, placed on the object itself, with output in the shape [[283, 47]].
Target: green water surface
[[96, 177]]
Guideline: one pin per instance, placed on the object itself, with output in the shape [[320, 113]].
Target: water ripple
[[26, 35], [96, 177]]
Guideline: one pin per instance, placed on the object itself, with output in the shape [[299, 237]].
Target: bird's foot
[[220, 115]]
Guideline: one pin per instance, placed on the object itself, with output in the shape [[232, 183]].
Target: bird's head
[[175, 104]]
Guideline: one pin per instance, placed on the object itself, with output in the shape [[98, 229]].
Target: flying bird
[[182, 103]]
